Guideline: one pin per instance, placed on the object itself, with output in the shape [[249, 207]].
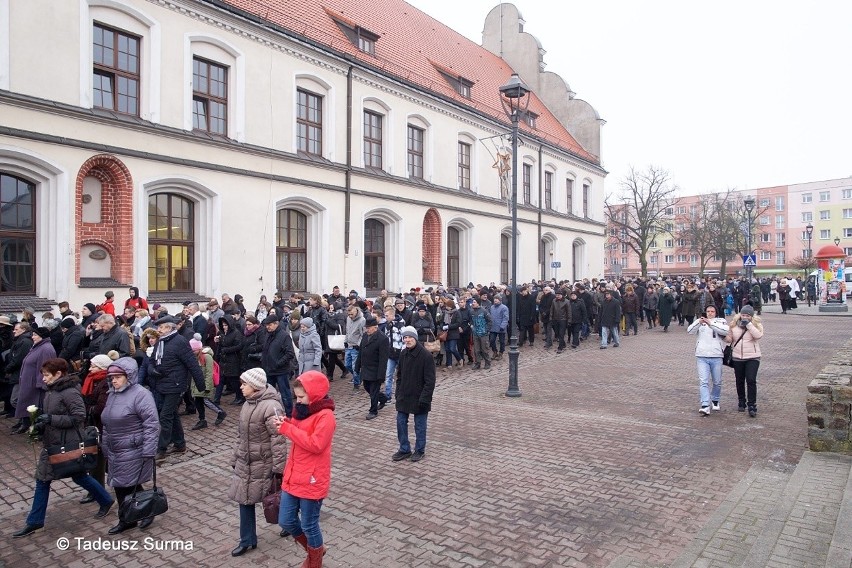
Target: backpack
[[202, 359]]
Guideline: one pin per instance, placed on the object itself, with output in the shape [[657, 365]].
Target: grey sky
[[737, 94]]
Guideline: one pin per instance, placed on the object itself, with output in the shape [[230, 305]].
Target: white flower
[[32, 408]]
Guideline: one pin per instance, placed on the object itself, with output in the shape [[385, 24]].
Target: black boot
[[121, 527]]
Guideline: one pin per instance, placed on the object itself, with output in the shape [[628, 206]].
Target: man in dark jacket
[[172, 364], [254, 338], [114, 338], [560, 318], [610, 316], [545, 300], [414, 387], [279, 359], [372, 364], [640, 290], [578, 318], [399, 306], [527, 316], [21, 345], [72, 340]]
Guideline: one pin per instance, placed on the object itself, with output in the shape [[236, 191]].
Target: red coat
[[307, 473], [107, 307]]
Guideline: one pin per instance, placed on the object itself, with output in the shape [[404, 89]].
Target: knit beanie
[[255, 378], [195, 344], [747, 310], [91, 307], [408, 331], [101, 361]]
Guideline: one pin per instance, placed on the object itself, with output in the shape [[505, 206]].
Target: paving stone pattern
[[603, 461]]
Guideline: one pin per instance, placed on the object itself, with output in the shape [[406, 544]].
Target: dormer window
[[363, 39], [461, 85], [529, 118]]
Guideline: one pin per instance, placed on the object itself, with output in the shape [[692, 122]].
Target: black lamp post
[[514, 96], [809, 230], [837, 241], [749, 207]]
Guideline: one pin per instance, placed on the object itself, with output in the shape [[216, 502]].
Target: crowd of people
[[130, 374]]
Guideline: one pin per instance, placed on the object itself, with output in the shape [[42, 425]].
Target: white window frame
[[765, 255], [807, 198], [668, 259], [847, 232], [807, 216], [824, 234], [779, 203], [847, 213], [222, 53], [780, 257], [825, 215], [824, 196], [846, 193], [779, 221]]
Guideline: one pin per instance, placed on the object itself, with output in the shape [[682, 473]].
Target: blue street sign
[[556, 264], [750, 260]]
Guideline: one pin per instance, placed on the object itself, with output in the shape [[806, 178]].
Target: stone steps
[[777, 517]]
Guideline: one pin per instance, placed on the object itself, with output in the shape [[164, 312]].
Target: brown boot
[[315, 557], [302, 540]]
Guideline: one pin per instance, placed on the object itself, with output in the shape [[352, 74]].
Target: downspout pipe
[[541, 255], [348, 182]]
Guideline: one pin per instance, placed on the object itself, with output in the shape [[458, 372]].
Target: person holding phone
[[259, 455], [744, 335], [709, 349]]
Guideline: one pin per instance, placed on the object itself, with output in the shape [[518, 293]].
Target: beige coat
[[749, 347], [261, 452]]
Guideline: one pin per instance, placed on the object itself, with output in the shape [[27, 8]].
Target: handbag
[[433, 346], [68, 461], [143, 504], [728, 353], [272, 503], [442, 336], [336, 343]]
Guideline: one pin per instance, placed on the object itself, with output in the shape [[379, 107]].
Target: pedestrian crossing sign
[[750, 260]]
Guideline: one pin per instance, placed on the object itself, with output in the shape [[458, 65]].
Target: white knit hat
[[101, 361], [255, 378]]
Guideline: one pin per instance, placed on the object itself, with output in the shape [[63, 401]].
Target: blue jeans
[[42, 493], [605, 331], [419, 432], [288, 517], [451, 347], [171, 430], [392, 363], [709, 367], [350, 358], [248, 526], [495, 335], [283, 384]]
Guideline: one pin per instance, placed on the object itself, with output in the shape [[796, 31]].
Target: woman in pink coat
[[307, 474]]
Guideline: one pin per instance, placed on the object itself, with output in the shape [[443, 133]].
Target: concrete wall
[[829, 405]]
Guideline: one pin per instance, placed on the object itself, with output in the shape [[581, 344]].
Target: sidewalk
[[804, 310], [604, 458]]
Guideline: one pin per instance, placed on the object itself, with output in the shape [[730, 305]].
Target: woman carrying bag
[[744, 337], [61, 424], [258, 460], [130, 435]]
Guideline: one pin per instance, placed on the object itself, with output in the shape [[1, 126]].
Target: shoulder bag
[[69, 461], [143, 504], [433, 345], [272, 502], [728, 353]]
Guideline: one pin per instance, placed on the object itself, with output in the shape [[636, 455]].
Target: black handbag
[[728, 353], [69, 461], [143, 504]]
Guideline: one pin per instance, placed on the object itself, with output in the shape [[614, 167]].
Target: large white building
[[194, 147]]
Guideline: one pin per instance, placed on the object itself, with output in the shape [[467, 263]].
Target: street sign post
[[749, 260], [555, 265]]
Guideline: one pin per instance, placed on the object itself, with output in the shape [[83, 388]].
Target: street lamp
[[837, 241], [809, 230], [515, 99], [749, 207]]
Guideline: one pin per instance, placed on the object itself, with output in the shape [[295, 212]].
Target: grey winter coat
[[261, 452], [131, 429], [310, 351], [64, 403], [31, 384]]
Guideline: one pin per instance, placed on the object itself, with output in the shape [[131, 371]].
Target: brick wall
[[432, 246], [829, 405], [115, 231]]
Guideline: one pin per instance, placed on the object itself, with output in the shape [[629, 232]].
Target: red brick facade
[[432, 246], [115, 231]]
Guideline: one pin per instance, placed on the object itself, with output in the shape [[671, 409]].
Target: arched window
[[504, 258], [374, 255], [453, 257], [291, 251], [17, 235], [171, 243]]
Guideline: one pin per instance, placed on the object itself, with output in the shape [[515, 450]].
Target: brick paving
[[605, 457]]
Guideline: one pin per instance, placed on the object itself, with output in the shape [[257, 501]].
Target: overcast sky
[[741, 94]]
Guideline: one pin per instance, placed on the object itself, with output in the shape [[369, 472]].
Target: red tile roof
[[410, 46]]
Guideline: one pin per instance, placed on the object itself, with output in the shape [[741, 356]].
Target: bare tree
[[697, 230], [638, 213], [805, 264], [730, 221]]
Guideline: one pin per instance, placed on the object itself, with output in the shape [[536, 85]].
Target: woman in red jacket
[[307, 473]]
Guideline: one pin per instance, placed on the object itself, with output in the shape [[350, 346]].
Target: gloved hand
[[39, 427], [43, 419]]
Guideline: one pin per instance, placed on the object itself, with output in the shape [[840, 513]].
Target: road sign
[[556, 264], [750, 260]]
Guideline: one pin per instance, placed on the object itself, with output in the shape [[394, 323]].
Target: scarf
[[302, 411], [93, 377], [137, 325], [158, 349]]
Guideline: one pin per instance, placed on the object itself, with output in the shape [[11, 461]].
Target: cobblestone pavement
[[604, 456]]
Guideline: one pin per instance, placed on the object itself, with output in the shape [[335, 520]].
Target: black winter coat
[[251, 355], [115, 339], [372, 361], [544, 306], [72, 343], [610, 313], [64, 403], [173, 365], [578, 311], [415, 380], [527, 315], [21, 346], [279, 357], [230, 348]]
